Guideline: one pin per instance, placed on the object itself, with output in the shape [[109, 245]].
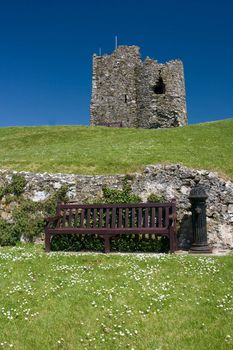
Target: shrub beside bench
[[110, 220]]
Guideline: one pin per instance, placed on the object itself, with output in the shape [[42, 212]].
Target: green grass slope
[[100, 150], [114, 302]]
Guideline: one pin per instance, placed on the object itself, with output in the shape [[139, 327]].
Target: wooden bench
[[109, 220]]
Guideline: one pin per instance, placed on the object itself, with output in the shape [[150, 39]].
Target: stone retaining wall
[[167, 180]]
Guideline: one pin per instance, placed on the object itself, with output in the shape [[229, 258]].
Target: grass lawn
[[99, 150], [97, 301]]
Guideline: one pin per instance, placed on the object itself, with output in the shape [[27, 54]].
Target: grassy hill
[[99, 150]]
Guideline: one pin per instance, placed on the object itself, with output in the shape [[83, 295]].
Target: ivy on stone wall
[[111, 196], [28, 216], [15, 187]]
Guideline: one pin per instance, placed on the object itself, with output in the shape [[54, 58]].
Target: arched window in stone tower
[[159, 87]]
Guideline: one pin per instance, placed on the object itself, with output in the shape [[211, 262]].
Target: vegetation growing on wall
[[28, 216], [15, 187]]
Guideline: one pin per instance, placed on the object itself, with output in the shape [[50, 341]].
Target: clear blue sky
[[46, 52]]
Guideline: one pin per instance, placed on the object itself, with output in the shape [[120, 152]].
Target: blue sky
[[46, 52]]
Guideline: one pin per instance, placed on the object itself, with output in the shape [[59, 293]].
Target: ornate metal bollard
[[198, 198]]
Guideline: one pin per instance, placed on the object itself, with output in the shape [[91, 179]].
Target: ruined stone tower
[[127, 92]]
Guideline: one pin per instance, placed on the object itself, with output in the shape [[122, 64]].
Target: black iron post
[[198, 198]]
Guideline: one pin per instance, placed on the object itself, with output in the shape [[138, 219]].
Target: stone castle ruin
[[127, 92]]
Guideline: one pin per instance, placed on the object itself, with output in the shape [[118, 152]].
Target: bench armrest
[[52, 220], [172, 218]]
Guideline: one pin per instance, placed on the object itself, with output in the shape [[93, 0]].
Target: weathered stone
[[39, 196], [184, 190], [12, 206], [127, 92], [6, 216], [57, 185]]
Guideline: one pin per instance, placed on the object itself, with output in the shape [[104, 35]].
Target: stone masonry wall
[[130, 93], [114, 88], [172, 181], [161, 110]]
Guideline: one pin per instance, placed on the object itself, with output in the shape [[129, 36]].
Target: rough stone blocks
[[127, 92]]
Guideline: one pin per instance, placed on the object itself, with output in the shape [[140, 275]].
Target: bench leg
[[47, 242], [107, 244]]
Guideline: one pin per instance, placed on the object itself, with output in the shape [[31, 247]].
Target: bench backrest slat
[[94, 217], [133, 217], [113, 224], [70, 217], [143, 215], [126, 217], [107, 218], [64, 218], [153, 221], [120, 217], [76, 217], [139, 217], [146, 218], [101, 218], [88, 217], [166, 216], [82, 217], [160, 217]]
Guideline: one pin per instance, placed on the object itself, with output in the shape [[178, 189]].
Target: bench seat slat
[[106, 230]]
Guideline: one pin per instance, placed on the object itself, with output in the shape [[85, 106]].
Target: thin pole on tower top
[[116, 42], [100, 51]]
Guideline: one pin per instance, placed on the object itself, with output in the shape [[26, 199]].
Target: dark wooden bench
[[109, 220]]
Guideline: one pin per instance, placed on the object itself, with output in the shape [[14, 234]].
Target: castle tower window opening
[[159, 87]]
